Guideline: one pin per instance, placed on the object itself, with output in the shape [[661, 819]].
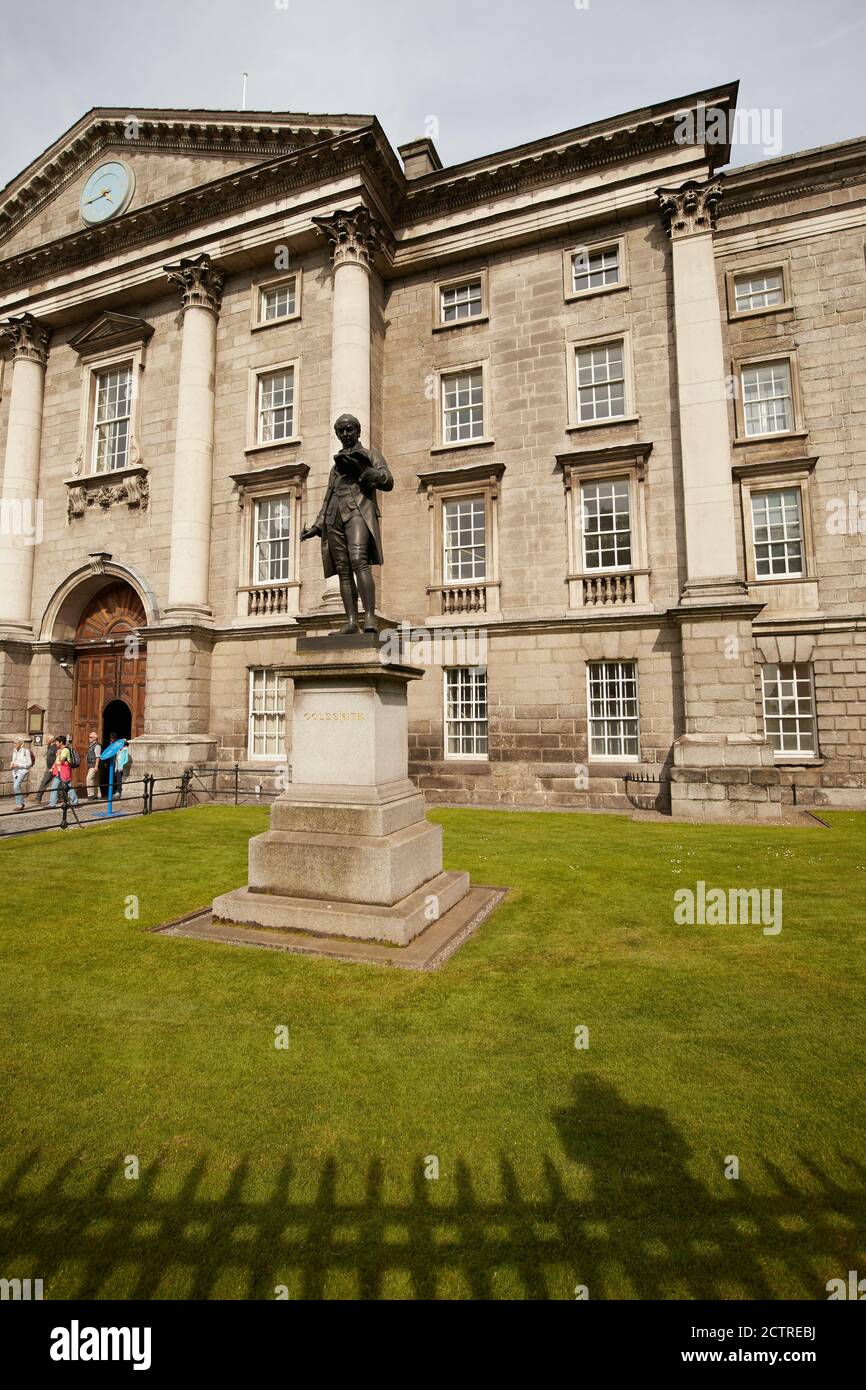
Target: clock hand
[[104, 194]]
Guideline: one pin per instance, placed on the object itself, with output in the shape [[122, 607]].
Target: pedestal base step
[[428, 951], [362, 921]]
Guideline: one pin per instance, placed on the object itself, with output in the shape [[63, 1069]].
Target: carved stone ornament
[[689, 209], [201, 281], [354, 236], [133, 489], [26, 338]]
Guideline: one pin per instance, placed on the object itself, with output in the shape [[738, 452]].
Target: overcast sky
[[492, 74]]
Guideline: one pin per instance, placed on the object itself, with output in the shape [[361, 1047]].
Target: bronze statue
[[348, 522]]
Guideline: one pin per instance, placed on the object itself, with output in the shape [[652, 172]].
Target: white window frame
[[280, 480], [766, 360], [477, 501], [472, 277], [278, 282], [91, 368], [764, 268], [442, 375], [446, 722], [757, 493], [797, 754], [611, 482], [279, 676], [256, 376], [259, 546], [606, 463], [453, 485], [575, 346], [774, 476], [591, 718], [594, 248], [126, 366]]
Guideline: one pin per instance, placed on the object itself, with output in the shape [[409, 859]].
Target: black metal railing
[[137, 797]]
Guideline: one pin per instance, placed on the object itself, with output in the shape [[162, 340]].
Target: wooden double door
[[110, 668]]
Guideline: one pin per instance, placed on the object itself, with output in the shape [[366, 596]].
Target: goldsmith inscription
[[323, 714]]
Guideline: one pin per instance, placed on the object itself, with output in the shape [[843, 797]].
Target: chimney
[[419, 157]]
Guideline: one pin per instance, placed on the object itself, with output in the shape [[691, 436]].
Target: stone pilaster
[[723, 766], [689, 214], [20, 525], [177, 713], [202, 285]]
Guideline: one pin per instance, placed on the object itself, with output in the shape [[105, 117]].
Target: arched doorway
[[110, 666]]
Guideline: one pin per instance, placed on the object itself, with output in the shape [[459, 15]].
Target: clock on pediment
[[107, 192]]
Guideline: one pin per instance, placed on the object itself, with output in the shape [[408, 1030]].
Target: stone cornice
[[794, 176], [366, 148], [175, 132]]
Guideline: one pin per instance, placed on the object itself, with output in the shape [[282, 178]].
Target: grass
[[304, 1168]]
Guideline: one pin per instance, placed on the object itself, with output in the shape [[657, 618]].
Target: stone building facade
[[620, 391]]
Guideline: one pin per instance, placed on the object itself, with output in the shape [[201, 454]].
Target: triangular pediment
[[167, 152], [111, 331]]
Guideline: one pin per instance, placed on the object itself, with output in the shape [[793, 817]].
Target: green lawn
[[305, 1167]]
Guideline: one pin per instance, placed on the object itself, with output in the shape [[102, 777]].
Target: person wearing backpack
[[48, 775], [91, 757], [67, 759], [22, 761]]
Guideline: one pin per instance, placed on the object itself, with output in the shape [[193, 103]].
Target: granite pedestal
[[349, 852]]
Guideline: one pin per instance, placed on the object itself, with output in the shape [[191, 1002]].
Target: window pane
[[606, 524], [789, 708], [767, 402], [460, 302], [600, 382], [591, 270], [272, 524], [466, 712], [276, 406], [464, 540], [778, 532], [267, 721], [613, 709], [277, 302], [112, 418], [462, 406], [758, 290]]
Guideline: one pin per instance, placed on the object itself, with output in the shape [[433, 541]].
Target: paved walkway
[[36, 816]]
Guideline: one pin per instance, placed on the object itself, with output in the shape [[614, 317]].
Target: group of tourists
[[61, 760]]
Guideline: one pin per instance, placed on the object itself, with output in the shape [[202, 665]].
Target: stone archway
[[110, 662]]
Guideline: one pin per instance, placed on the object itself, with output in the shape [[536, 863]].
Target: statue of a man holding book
[[348, 522]]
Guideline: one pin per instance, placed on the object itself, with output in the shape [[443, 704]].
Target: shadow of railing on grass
[[647, 1225]]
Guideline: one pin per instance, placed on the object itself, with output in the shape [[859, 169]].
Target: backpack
[[74, 760]]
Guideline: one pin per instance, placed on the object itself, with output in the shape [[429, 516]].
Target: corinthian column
[[354, 237], [202, 285], [19, 520], [689, 215]]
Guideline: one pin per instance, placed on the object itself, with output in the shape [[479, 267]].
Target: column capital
[[355, 236], [201, 281], [690, 208], [27, 338]]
